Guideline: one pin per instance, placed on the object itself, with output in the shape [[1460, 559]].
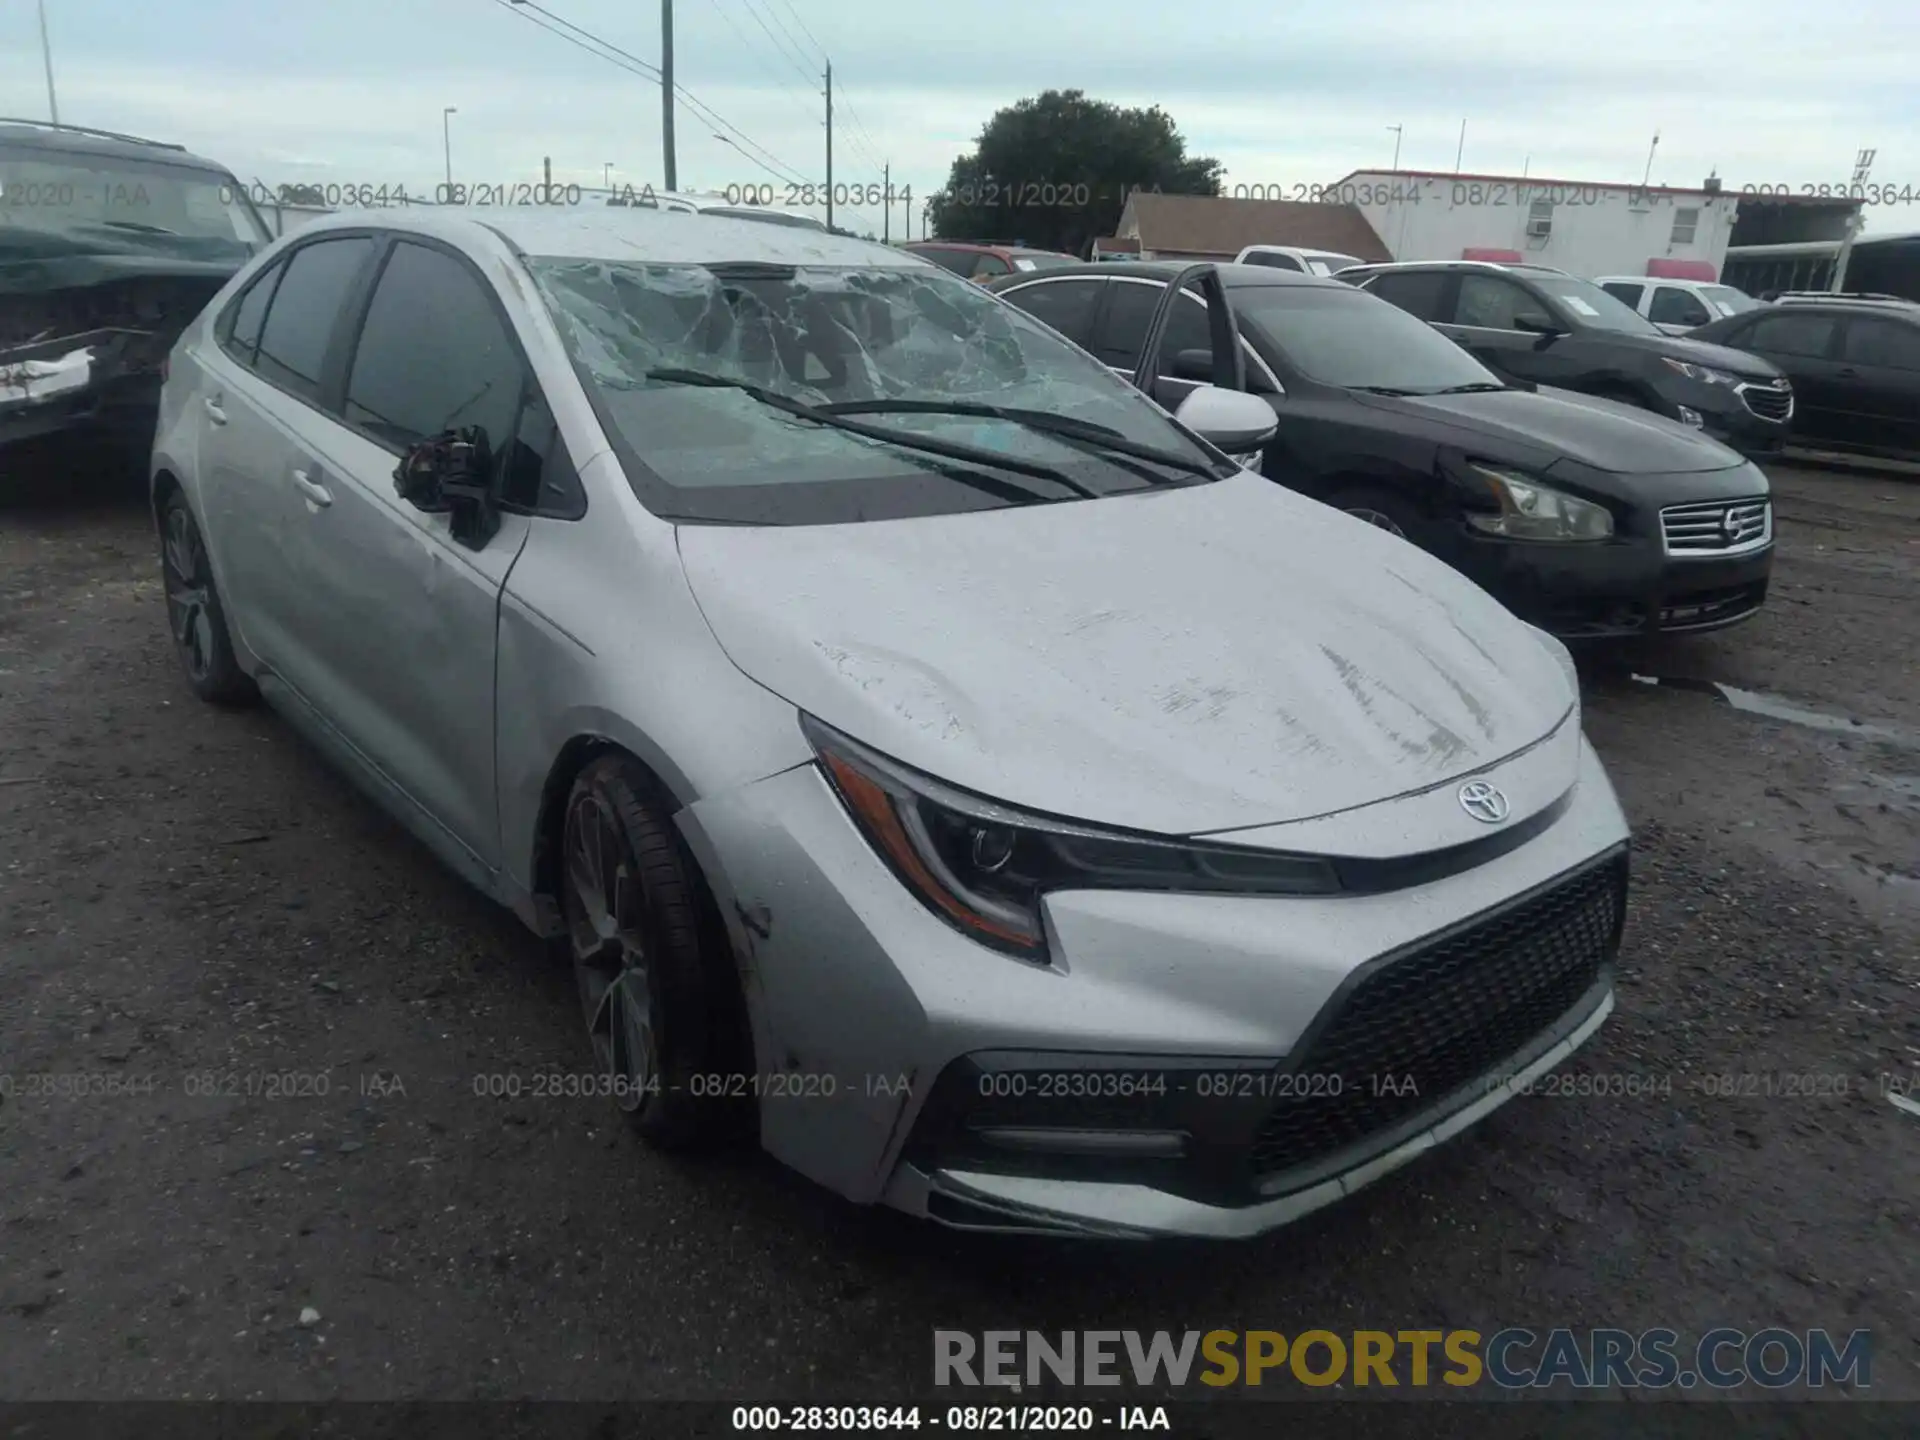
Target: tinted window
[[1123, 329], [1674, 306], [1791, 335], [245, 315], [958, 261], [988, 267], [1626, 294], [1882, 342], [1418, 293], [1066, 305], [1492, 303], [1273, 261], [305, 309], [1351, 338], [433, 355], [1590, 306]]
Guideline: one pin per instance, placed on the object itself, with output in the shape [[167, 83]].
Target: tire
[[653, 990], [1382, 508], [196, 620]]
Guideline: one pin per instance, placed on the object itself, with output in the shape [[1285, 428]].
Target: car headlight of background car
[[1531, 510], [1705, 374], [984, 867]]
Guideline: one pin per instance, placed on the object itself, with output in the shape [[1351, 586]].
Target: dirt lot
[[187, 893]]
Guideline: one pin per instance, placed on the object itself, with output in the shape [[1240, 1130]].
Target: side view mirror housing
[[1194, 365], [1535, 323], [452, 474], [1229, 420]]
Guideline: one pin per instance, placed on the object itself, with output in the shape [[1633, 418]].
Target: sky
[[1761, 92]]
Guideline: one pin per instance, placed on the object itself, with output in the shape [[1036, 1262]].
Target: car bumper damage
[[1183, 1064]]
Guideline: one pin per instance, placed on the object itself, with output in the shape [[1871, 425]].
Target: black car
[[1854, 364], [109, 246], [1539, 326], [1585, 518]]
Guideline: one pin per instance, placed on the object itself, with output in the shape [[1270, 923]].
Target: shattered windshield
[[893, 344], [114, 204]]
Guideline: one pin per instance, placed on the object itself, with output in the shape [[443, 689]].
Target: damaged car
[[109, 246], [926, 751]]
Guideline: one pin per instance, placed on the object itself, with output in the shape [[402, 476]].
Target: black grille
[[1768, 403], [1712, 607], [1444, 1016]]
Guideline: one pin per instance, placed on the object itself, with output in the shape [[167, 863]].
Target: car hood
[[1178, 661], [1538, 427], [1699, 352]]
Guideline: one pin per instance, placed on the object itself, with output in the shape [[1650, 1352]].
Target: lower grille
[[1417, 1029], [1712, 607], [1767, 401], [1714, 527]]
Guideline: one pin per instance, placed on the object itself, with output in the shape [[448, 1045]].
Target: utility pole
[[1396, 129], [1650, 150], [829, 144], [666, 90], [886, 196], [1461, 152], [446, 138], [46, 54]]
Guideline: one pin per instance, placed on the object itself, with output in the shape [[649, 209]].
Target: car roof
[[1517, 268], [1234, 277], [985, 247], [79, 140], [639, 234]]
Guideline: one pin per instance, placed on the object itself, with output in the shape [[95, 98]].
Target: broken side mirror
[[452, 474]]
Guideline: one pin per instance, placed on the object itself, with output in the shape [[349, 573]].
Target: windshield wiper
[[951, 450], [1477, 387], [1388, 390], [1083, 434]]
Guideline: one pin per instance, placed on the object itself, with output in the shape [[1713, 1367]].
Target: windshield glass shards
[[938, 371]]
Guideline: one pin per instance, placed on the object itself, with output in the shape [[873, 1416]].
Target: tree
[[1055, 171]]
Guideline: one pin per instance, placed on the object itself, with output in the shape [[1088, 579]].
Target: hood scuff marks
[[910, 688], [1368, 691]]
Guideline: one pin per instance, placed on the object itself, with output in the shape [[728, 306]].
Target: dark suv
[[109, 246], [1539, 326]]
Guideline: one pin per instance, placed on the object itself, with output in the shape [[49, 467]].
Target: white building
[[1585, 229]]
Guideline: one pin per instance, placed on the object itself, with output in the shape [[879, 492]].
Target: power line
[[806, 106], [803, 27], [797, 61], [612, 53]]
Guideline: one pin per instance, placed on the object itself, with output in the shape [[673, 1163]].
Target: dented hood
[[1177, 661]]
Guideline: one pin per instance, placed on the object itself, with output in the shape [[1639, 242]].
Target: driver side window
[[1492, 302]]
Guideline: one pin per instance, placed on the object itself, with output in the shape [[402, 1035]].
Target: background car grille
[[1445, 1015], [1768, 402], [1715, 526]]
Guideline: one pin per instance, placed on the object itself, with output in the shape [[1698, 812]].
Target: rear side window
[[1810, 335], [433, 355], [958, 261], [1674, 306], [1123, 329], [1066, 305], [1882, 342], [305, 309], [988, 267], [241, 330], [1623, 292], [1418, 293]]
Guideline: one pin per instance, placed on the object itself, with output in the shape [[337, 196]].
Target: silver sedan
[[930, 753]]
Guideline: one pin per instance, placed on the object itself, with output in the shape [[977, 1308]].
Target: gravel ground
[[185, 892]]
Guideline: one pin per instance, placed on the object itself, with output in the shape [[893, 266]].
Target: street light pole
[[46, 54], [1396, 129], [446, 138]]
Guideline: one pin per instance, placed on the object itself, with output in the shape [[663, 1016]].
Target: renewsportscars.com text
[[1514, 1358]]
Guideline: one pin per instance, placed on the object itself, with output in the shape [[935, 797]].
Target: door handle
[[1847, 372], [316, 493], [214, 412]]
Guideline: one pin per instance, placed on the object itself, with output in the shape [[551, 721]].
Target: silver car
[[928, 751]]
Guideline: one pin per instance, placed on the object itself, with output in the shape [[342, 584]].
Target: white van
[[1676, 306]]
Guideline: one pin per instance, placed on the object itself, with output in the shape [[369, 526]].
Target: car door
[[265, 383], [1805, 346], [1878, 380], [404, 614], [1677, 310]]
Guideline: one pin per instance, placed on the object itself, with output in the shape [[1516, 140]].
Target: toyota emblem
[[1483, 802]]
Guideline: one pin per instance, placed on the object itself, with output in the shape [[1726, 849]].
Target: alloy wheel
[[188, 584], [605, 914], [1376, 518]]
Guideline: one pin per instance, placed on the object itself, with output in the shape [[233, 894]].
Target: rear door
[[1067, 304], [1805, 345], [1879, 381], [262, 408], [1121, 330]]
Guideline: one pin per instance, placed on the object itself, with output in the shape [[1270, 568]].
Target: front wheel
[[195, 618], [652, 995], [1382, 509]]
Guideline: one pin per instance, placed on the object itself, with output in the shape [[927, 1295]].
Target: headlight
[[983, 867], [1532, 511], [1705, 374]]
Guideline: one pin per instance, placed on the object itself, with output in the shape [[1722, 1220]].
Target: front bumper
[[872, 1018], [1619, 589], [1730, 417], [99, 382]]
